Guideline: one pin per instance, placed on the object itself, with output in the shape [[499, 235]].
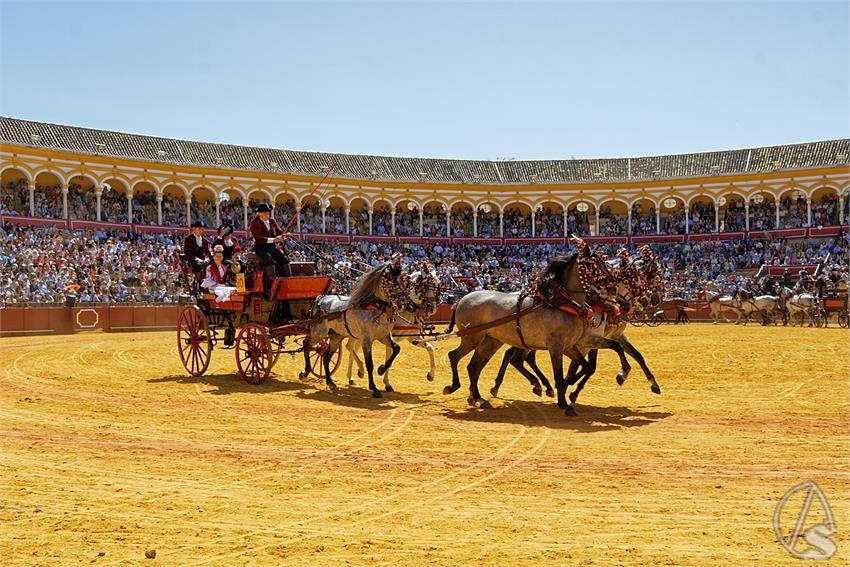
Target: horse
[[367, 315], [802, 303], [487, 319], [717, 304], [424, 294], [765, 305]]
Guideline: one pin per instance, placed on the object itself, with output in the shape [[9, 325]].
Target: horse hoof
[[332, 387], [302, 375], [470, 401], [389, 388], [377, 394], [429, 377], [537, 391], [620, 379], [573, 397], [494, 392], [351, 382], [360, 374], [570, 411], [561, 404], [656, 389], [448, 390], [550, 393], [485, 404], [381, 370]]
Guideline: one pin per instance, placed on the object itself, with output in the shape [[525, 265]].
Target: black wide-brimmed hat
[[263, 208], [199, 224], [228, 230]]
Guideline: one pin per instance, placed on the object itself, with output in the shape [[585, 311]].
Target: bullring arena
[[111, 450], [114, 455]]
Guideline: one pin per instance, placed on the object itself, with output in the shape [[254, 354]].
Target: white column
[[298, 218], [158, 208], [448, 222], [747, 215], [421, 224], [533, 223], [475, 222], [597, 222], [324, 208], [370, 221], [31, 186], [245, 215], [841, 210], [658, 220], [629, 224], [565, 223], [188, 211], [776, 202], [218, 212], [348, 220], [716, 218], [64, 188], [809, 210], [687, 218], [392, 222], [129, 207], [501, 224]]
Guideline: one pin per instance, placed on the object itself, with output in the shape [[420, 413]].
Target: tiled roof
[[204, 154]]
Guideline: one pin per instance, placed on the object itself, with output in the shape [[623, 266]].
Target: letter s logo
[[822, 548]]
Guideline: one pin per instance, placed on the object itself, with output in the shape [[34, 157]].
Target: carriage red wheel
[[842, 319], [317, 367], [254, 357], [193, 340]]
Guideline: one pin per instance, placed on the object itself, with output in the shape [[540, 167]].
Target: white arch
[[26, 172]]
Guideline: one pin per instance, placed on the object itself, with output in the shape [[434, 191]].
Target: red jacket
[[261, 236], [195, 255]]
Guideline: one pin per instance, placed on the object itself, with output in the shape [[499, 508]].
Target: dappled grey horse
[[424, 294], [367, 315], [488, 319]]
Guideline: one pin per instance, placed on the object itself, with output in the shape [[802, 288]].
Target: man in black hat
[[266, 234], [196, 249]]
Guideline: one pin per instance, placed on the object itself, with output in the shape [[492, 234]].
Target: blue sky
[[482, 80]]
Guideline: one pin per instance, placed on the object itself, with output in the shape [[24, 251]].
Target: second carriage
[[259, 323]]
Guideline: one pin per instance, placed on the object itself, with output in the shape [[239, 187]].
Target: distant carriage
[[260, 323]]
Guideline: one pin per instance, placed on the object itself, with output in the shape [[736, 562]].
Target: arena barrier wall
[[54, 320]]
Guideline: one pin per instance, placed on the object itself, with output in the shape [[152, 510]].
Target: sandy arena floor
[[109, 449]]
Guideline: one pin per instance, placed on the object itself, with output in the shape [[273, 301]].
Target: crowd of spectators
[[42, 265]]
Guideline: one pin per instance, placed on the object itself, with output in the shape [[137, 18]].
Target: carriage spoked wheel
[[819, 318], [277, 347], [317, 367], [254, 356], [654, 319], [193, 340], [637, 319], [843, 319]]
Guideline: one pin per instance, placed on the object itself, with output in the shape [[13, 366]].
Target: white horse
[[407, 321], [717, 304], [764, 305], [800, 303]]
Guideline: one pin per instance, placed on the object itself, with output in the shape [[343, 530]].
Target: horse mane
[[366, 288]]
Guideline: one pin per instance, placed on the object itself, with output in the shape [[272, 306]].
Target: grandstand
[[80, 175]]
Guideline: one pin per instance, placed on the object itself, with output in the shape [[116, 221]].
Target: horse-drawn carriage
[[836, 303], [260, 322]]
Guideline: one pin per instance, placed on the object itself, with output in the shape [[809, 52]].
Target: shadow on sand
[[358, 397], [535, 414], [231, 383]]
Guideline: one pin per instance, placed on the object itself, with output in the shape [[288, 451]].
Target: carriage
[[260, 322], [836, 302]]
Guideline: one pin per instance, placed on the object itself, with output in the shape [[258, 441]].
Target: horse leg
[[557, 358], [467, 345], [431, 373], [351, 347], [500, 376], [630, 349], [482, 356], [518, 360], [334, 341], [531, 360], [598, 342], [591, 361], [388, 340], [370, 365]]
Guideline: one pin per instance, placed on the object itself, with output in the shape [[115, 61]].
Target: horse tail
[[451, 321]]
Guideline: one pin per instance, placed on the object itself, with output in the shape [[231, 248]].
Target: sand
[[110, 450]]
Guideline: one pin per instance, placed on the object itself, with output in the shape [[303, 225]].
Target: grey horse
[[424, 294], [367, 315], [488, 319]]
